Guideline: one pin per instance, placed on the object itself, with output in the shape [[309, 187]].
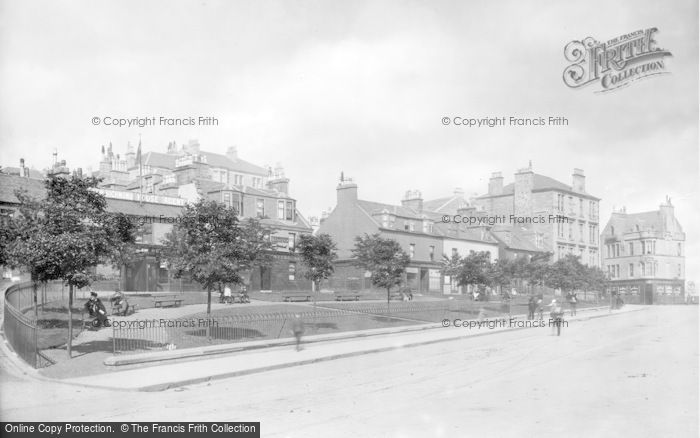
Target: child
[[298, 329]]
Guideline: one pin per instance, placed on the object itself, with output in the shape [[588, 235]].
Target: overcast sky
[[359, 87]]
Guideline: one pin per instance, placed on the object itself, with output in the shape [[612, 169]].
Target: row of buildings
[[533, 215]]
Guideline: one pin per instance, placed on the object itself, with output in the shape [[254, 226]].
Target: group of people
[[96, 309], [226, 296], [535, 305]]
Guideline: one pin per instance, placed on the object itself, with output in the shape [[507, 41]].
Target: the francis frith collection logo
[[615, 63]]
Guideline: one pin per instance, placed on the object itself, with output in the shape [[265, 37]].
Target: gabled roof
[[10, 183]]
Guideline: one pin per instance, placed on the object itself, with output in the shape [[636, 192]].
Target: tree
[[64, 235], [501, 273], [318, 254], [566, 274], [451, 267], [537, 271], [209, 243], [383, 258], [475, 269], [124, 251], [595, 279]]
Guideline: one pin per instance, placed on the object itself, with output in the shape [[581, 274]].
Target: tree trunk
[[209, 313], [388, 298], [70, 320], [35, 286]]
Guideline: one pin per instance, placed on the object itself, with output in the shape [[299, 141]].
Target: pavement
[[281, 354]]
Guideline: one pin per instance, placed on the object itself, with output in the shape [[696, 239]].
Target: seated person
[[120, 305], [243, 295], [97, 310]]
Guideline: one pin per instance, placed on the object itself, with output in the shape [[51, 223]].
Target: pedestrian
[[482, 314], [540, 307], [243, 296], [531, 307], [97, 310], [573, 301], [227, 295], [298, 329], [556, 315]]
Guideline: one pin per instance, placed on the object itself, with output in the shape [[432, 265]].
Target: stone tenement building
[[415, 224], [558, 218], [644, 254]]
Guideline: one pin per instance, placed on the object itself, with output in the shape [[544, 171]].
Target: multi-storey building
[[420, 232], [174, 172], [559, 218], [644, 254]]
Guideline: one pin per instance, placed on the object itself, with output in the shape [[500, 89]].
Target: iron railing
[[143, 335]]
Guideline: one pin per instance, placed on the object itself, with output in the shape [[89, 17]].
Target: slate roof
[[146, 209], [375, 208], [647, 221], [219, 160], [159, 159], [540, 183], [448, 205], [33, 173], [513, 237], [9, 183]]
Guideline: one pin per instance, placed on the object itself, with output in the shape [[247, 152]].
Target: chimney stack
[[578, 183], [496, 184], [413, 199], [23, 171], [232, 153], [346, 191]]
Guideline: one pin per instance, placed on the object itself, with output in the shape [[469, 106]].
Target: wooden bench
[[162, 300], [347, 297], [290, 298]]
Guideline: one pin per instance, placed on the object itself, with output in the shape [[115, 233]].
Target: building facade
[[644, 255], [420, 232], [558, 218]]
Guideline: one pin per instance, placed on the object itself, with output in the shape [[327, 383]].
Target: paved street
[[633, 374]]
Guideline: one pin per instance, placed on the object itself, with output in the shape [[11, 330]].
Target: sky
[[360, 87]]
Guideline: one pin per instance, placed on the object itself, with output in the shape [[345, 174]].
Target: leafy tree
[[475, 269], [537, 270], [209, 243], [383, 258], [64, 235], [566, 274], [501, 273], [451, 267], [318, 254], [124, 251]]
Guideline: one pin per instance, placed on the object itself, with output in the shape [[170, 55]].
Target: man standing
[[556, 316], [573, 301], [531, 306]]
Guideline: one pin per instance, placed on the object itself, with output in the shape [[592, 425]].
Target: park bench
[[290, 298], [163, 300], [347, 297]]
